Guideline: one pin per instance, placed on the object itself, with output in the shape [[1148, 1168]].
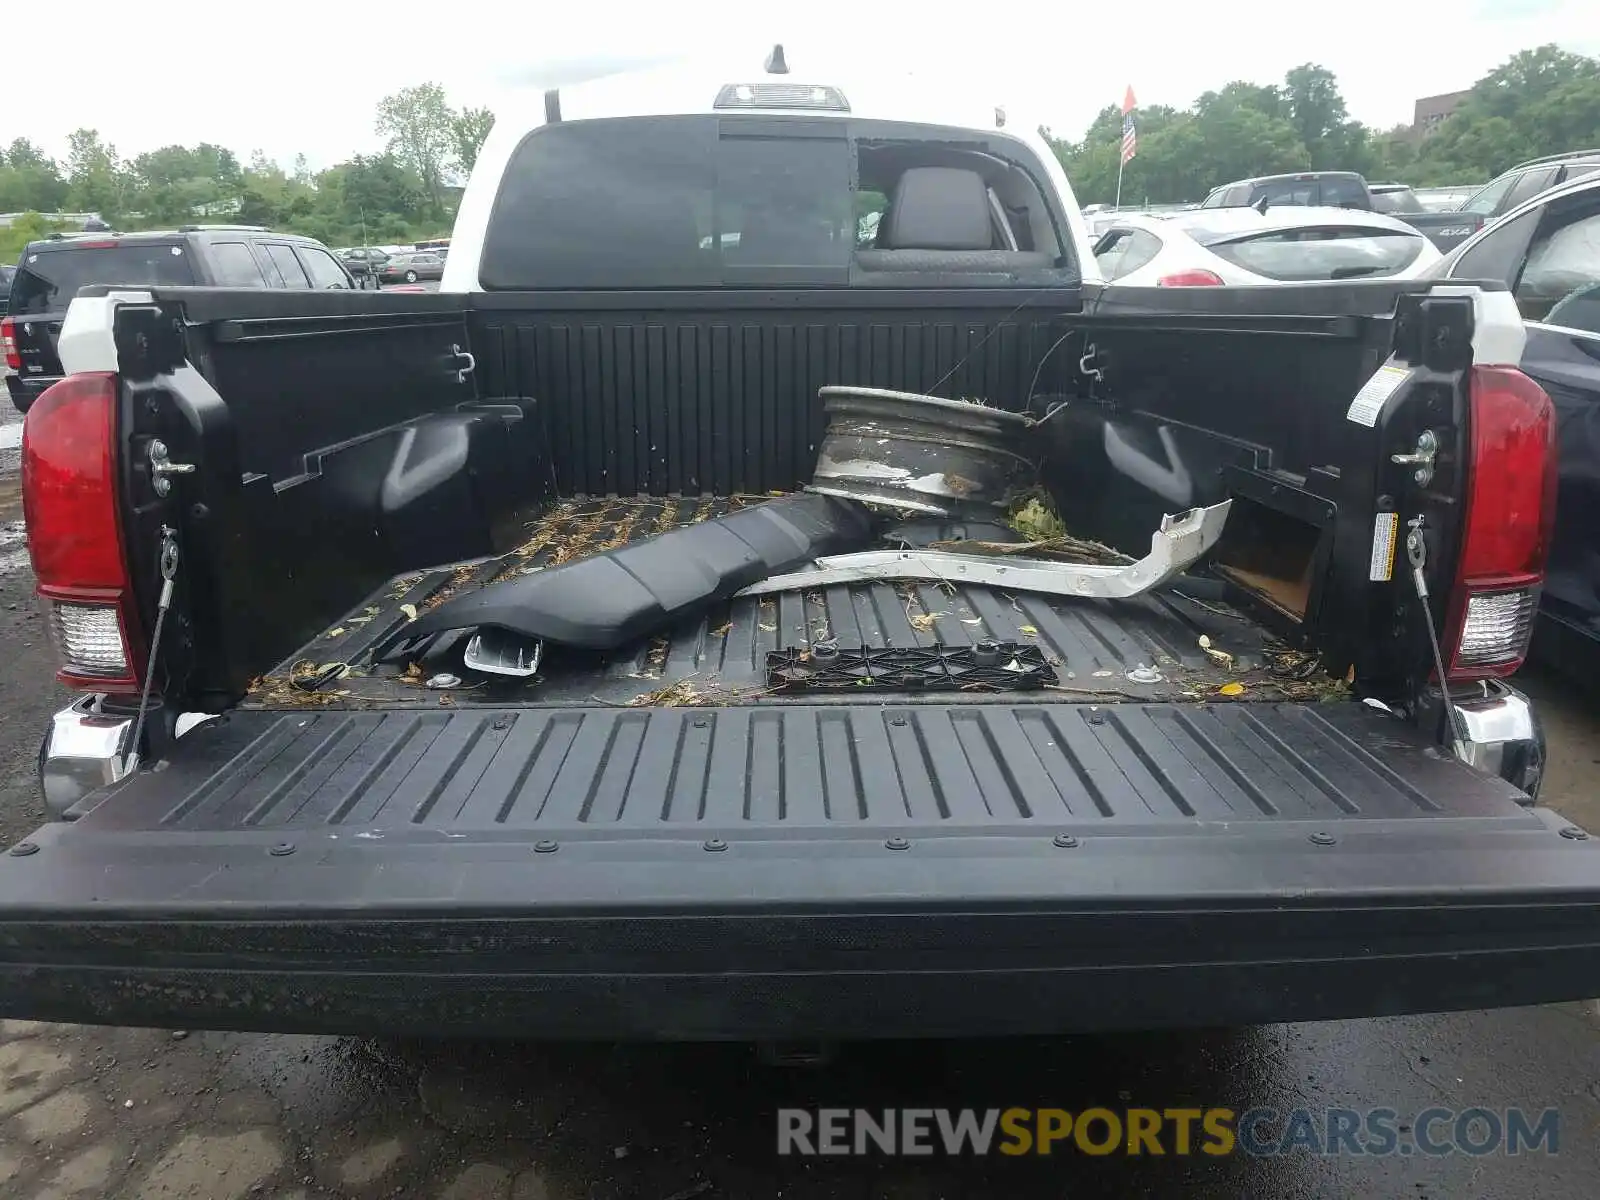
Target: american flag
[[1129, 140]]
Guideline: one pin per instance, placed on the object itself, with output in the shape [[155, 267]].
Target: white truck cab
[[751, 175]]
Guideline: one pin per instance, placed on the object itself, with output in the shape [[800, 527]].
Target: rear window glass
[[47, 280], [1343, 192], [1286, 191], [1401, 200], [1311, 254], [668, 203], [692, 202]]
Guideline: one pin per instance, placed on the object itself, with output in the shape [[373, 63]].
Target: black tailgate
[[846, 870]]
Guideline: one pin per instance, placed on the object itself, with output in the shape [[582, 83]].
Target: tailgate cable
[[1417, 553], [169, 571]]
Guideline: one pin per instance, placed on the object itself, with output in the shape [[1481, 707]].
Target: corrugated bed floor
[[720, 658]]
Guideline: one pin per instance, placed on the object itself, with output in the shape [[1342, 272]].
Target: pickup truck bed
[[596, 855], [720, 656], [558, 861]]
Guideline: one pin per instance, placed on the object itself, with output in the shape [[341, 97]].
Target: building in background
[[1430, 110]]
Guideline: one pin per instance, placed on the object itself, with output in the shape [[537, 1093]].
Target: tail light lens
[[1510, 511], [8, 339], [1194, 278], [69, 499]]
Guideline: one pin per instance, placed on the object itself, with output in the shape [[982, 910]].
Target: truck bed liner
[[940, 768], [720, 656]]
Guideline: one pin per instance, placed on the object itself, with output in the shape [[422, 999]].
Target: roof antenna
[[775, 61]]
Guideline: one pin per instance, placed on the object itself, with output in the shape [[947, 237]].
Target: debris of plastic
[[1144, 674], [444, 680], [1221, 657]]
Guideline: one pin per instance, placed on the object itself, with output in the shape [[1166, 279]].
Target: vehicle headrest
[[938, 208]]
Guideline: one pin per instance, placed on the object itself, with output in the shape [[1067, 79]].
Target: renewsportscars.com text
[[1259, 1132]]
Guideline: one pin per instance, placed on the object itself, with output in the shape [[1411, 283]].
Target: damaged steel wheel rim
[[918, 453]]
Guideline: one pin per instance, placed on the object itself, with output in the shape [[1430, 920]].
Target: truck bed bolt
[[282, 849], [714, 844], [1571, 832], [23, 849], [1323, 839], [546, 846], [897, 843], [1064, 841]]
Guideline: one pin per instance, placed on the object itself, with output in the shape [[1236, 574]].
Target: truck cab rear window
[[47, 280], [697, 202]]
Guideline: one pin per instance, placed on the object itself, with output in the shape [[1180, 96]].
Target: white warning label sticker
[[1375, 393], [1385, 536]]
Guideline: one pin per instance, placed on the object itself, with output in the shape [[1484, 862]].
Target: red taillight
[[8, 339], [1509, 513], [1193, 278], [106, 245], [69, 499]]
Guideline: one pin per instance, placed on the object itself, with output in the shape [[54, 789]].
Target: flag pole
[[1128, 105]]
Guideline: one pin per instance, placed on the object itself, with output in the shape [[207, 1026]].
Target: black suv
[[50, 272]]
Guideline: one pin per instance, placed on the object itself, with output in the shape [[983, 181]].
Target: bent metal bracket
[[1179, 542]]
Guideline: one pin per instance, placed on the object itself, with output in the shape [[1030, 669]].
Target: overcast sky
[[294, 76]]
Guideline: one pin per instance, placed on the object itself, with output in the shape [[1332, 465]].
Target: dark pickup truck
[[1346, 189], [1239, 798]]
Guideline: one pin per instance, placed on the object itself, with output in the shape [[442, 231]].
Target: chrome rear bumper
[[84, 750]]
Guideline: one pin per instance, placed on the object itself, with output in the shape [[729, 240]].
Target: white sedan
[[1217, 247]]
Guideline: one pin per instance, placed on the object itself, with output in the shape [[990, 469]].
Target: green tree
[[29, 227], [176, 183], [96, 181], [1316, 110], [420, 126], [1540, 101], [470, 126], [30, 180]]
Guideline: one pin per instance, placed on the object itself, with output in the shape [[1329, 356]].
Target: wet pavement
[[129, 1113]]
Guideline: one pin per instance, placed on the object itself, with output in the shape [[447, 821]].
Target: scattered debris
[[682, 694], [1231, 689], [443, 680], [1035, 518], [723, 630], [1030, 631], [410, 611], [1221, 657]]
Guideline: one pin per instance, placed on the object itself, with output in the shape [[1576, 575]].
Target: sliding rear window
[[47, 280], [1305, 255], [697, 202]]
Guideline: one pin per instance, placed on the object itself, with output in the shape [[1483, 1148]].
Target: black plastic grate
[[986, 667]]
